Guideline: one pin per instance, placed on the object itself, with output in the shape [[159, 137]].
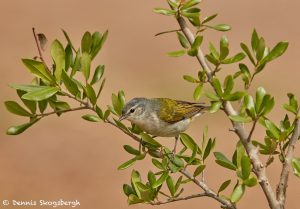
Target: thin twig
[[178, 199], [283, 183], [208, 192], [62, 111], [252, 130], [169, 31], [78, 100], [39, 49]]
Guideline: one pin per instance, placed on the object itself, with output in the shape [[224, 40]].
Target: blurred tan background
[[70, 158]]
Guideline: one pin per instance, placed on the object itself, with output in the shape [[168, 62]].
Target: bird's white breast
[[156, 127]]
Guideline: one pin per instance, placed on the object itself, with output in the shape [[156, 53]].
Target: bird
[[162, 117]]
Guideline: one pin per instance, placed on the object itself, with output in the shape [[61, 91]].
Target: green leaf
[[197, 92], [254, 40], [43, 105], [247, 51], [157, 164], [192, 14], [195, 46], [58, 55], [26, 88], [41, 94], [214, 51], [29, 104], [128, 190], [98, 74], [240, 118], [250, 182], [161, 180], [249, 103], [135, 177], [260, 94], [121, 97], [171, 186], [127, 164], [69, 57], [116, 104], [91, 118], [15, 130], [131, 150], [86, 42], [268, 105], [215, 106], [39, 70], [296, 166], [260, 49], [212, 96], [190, 3], [207, 19], [164, 11], [68, 38], [98, 46], [173, 4], [76, 65], [183, 41], [234, 96], [210, 145], [236, 58], [85, 65], [224, 50], [199, 170], [217, 86], [246, 167], [224, 185], [223, 161], [101, 87], [15, 108], [91, 94], [133, 199], [276, 52], [58, 105], [274, 130], [228, 84], [190, 79], [237, 193], [178, 53], [150, 140], [220, 27], [69, 83], [188, 141]]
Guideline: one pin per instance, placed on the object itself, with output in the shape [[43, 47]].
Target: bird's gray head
[[134, 110]]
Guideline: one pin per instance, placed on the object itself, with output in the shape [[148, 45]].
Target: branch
[[200, 56], [62, 111], [178, 199], [281, 188], [258, 167], [39, 49], [208, 192]]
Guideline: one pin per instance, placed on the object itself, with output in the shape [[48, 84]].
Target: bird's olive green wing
[[172, 111]]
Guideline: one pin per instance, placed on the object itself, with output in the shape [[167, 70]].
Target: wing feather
[[173, 111]]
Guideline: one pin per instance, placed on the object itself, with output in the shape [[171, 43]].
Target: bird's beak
[[122, 117]]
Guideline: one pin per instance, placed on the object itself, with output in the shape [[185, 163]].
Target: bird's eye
[[132, 110]]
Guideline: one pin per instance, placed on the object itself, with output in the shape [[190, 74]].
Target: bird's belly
[[161, 128]]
